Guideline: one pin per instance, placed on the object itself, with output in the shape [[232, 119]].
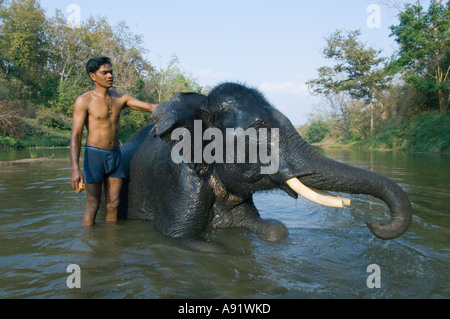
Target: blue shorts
[[99, 164]]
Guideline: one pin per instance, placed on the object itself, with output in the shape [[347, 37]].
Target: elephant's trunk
[[325, 174]]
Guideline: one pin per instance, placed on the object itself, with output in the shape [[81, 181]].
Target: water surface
[[326, 254]]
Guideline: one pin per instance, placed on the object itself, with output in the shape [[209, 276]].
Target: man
[[99, 110]]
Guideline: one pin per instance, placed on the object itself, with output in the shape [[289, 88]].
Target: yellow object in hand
[[81, 187]]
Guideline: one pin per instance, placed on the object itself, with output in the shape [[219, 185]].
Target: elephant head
[[300, 169]]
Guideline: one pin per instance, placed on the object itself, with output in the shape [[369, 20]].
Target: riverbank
[[34, 160], [40, 133], [426, 133]]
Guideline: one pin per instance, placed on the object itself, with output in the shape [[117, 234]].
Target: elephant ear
[[180, 111]]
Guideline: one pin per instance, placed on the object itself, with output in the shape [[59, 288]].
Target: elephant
[[183, 198]]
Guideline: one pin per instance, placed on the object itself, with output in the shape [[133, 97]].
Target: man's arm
[[79, 120], [137, 105]]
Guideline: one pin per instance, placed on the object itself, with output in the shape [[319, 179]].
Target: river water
[[326, 255]]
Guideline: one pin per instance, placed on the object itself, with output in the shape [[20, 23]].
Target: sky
[[274, 46]]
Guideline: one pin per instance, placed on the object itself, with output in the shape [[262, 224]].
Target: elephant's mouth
[[314, 195]]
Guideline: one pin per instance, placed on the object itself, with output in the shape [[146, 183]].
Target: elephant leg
[[186, 218], [270, 230], [247, 216], [187, 228]]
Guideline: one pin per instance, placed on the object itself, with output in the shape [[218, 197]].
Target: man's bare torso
[[103, 119]]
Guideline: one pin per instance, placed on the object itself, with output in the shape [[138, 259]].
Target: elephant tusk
[[316, 197], [347, 202]]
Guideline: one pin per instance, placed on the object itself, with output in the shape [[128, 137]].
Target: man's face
[[104, 76]]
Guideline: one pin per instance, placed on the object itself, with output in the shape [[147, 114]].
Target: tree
[[42, 63], [424, 55], [169, 80], [338, 111], [23, 46], [74, 46], [11, 122], [358, 71], [123, 47], [69, 53]]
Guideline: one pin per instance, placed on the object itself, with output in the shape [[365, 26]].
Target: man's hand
[[77, 180]]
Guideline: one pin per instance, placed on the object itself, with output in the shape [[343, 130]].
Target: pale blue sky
[[272, 45]]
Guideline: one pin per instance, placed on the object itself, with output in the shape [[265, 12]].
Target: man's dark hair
[[95, 64]]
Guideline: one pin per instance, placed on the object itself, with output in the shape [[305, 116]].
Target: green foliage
[[23, 44], [169, 80], [54, 121], [49, 91], [424, 56], [42, 62], [7, 142], [397, 108], [131, 121], [429, 132], [67, 93], [359, 125], [36, 135], [317, 131], [357, 72]]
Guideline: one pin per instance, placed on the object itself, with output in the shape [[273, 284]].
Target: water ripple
[[325, 256]]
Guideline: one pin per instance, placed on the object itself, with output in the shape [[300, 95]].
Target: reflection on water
[[325, 256]]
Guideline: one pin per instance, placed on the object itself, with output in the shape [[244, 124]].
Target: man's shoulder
[[84, 99], [85, 96], [117, 94]]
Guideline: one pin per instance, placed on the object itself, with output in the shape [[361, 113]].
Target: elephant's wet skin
[[184, 199], [244, 214], [230, 211]]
